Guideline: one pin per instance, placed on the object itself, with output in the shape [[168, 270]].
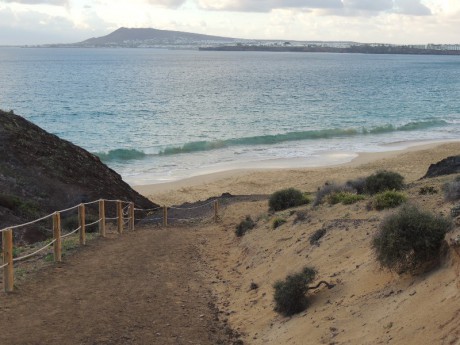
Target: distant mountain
[[128, 37]]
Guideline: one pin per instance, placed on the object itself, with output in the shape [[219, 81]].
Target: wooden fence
[[125, 216]]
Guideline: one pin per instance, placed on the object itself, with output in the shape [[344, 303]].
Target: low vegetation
[[452, 190], [301, 216], [27, 209], [388, 199], [345, 198], [427, 190], [410, 239], [359, 185], [287, 198], [329, 189], [291, 294], [317, 235], [383, 180], [244, 226], [277, 222]]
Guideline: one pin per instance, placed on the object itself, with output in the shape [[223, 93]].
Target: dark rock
[[447, 166], [41, 173]]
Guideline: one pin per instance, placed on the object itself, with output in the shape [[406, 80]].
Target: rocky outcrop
[[41, 173], [447, 166]]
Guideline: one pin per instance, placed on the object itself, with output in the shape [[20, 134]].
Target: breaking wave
[[200, 146]]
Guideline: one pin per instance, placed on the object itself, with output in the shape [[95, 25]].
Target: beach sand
[[412, 163], [368, 305]]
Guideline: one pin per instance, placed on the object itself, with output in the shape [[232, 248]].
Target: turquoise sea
[[156, 115]]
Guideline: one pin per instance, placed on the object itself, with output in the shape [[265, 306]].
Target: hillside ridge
[[41, 173]]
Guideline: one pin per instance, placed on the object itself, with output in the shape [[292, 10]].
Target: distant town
[[341, 47], [154, 38]]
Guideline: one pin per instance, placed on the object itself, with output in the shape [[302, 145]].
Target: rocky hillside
[[41, 173], [137, 37]]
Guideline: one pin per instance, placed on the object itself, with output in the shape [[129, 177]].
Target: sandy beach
[[412, 162], [368, 305]]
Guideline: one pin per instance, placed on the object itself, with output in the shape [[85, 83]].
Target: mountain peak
[[138, 37]]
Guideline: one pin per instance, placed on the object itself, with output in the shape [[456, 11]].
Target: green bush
[[290, 295], [359, 185], [427, 190], [382, 181], [409, 239], [330, 189], [317, 235], [287, 198], [278, 222], [388, 199], [244, 226], [346, 198]]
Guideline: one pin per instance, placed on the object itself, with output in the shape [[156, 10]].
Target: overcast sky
[[385, 21]]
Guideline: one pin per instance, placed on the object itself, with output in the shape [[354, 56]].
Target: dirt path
[[143, 288]]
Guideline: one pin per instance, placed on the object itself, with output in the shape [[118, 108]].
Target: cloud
[[167, 3], [326, 7], [266, 5], [33, 27], [412, 7], [40, 2], [366, 5]]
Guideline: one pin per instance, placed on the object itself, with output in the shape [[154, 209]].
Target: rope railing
[[26, 224], [69, 209], [71, 233], [148, 209], [125, 217], [192, 207], [91, 202], [94, 223], [35, 252]]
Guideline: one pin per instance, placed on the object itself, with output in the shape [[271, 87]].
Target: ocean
[[160, 115]]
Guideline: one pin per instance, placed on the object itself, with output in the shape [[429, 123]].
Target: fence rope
[[91, 202], [114, 218], [124, 202], [69, 209], [191, 208], [4, 265], [197, 218], [148, 209], [32, 254], [29, 223], [148, 219], [93, 223], [71, 233]]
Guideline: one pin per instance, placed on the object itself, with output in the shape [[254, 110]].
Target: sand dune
[[368, 305]]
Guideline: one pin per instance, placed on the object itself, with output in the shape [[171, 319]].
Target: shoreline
[[205, 184]]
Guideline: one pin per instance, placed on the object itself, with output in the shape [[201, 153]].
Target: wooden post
[[131, 216], [102, 218], [119, 217], [81, 222], [8, 271], [57, 246], [216, 210], [165, 216]]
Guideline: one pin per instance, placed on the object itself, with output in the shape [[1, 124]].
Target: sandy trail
[[142, 288]]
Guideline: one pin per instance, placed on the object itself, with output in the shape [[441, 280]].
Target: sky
[[381, 21]]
